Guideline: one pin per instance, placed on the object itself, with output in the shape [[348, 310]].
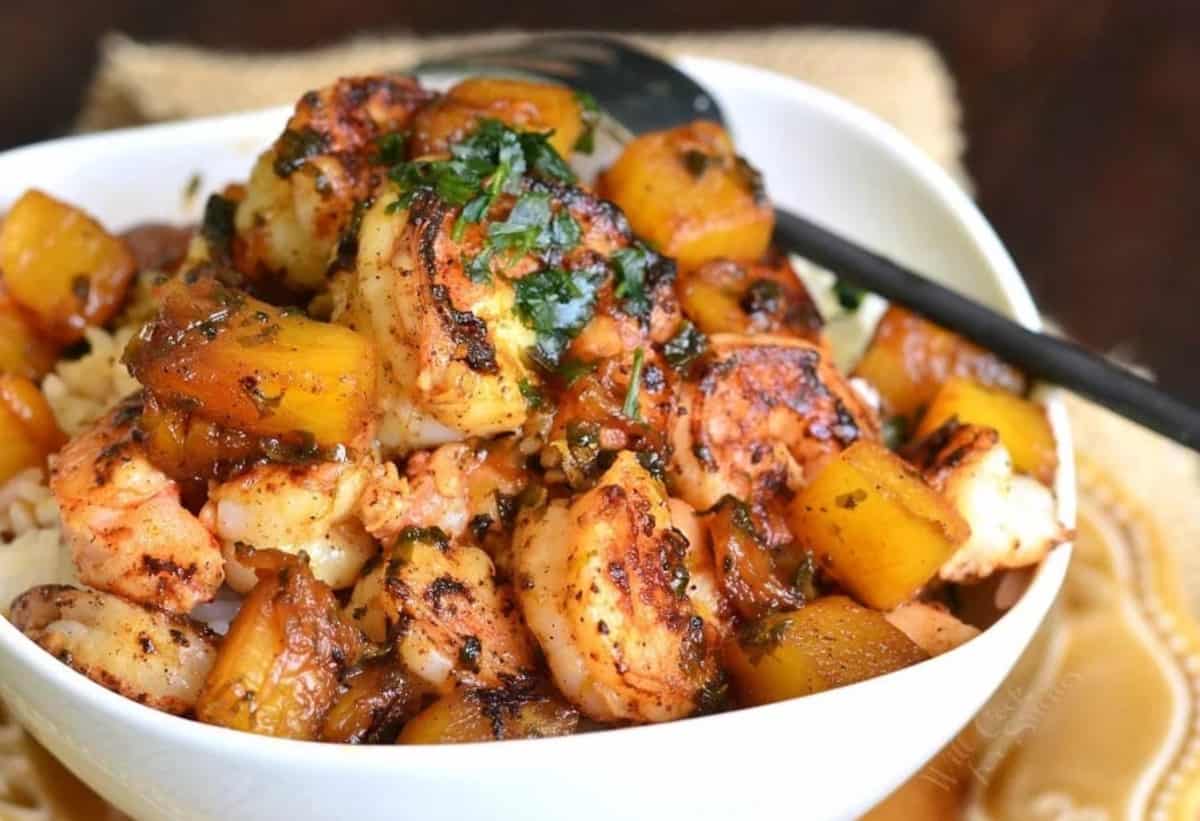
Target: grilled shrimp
[[1012, 517], [129, 534], [153, 657], [603, 583], [456, 350], [453, 488], [930, 626], [293, 508], [765, 413], [303, 191], [454, 623]]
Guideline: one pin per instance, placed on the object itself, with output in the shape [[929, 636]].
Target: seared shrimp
[[129, 534], [453, 488], [765, 413], [1012, 517], [930, 626], [293, 508], [153, 657], [456, 346], [303, 191], [603, 583], [455, 625]]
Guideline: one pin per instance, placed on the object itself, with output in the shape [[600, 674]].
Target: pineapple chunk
[[688, 192], [255, 368], [27, 426], [1023, 425], [520, 104], [62, 266], [825, 644], [874, 524], [909, 359]]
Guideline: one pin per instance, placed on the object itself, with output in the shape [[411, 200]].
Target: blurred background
[[1082, 118]]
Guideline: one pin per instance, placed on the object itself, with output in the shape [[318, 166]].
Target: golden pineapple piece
[[255, 368], [62, 266], [827, 643], [376, 699], [875, 525], [688, 192], [910, 358], [489, 715], [1023, 425], [27, 426], [521, 104], [22, 350], [277, 670]]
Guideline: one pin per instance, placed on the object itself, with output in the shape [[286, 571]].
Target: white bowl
[[830, 755]]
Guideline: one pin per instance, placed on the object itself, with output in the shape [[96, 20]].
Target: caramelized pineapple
[[277, 670], [875, 525], [521, 104], [255, 368], [27, 426], [62, 266], [689, 193]]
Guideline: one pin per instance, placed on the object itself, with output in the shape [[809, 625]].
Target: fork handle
[[1045, 357]]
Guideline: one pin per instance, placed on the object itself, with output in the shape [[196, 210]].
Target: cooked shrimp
[[765, 413], [456, 350], [303, 191], [604, 586], [293, 508], [931, 627], [453, 488], [129, 534], [1012, 517], [455, 624], [153, 657]]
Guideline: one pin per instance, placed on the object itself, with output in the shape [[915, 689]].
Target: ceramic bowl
[[830, 755]]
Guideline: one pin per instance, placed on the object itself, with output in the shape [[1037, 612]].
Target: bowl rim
[[1040, 593]]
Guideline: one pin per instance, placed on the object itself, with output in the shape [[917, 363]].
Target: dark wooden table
[[1083, 118]]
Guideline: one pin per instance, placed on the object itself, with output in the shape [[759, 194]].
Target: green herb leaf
[[533, 397], [293, 148], [479, 267], [543, 159], [389, 148], [685, 346], [848, 296], [217, 227], [528, 219], [630, 408], [572, 370], [631, 265], [556, 304], [586, 143]]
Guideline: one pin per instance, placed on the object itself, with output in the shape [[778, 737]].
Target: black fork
[[645, 93]]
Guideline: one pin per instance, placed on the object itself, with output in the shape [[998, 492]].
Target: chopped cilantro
[[630, 408], [586, 143], [491, 161], [687, 344], [848, 296], [556, 304], [895, 432], [479, 267], [521, 232], [631, 265], [572, 370], [389, 148], [533, 397]]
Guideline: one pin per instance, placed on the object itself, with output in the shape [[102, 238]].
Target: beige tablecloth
[[1100, 720]]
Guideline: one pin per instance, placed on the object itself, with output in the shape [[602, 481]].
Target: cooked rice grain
[[80, 390]]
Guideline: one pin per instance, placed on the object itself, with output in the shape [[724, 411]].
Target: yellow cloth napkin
[[1100, 720]]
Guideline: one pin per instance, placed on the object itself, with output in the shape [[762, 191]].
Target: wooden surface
[[1083, 118]]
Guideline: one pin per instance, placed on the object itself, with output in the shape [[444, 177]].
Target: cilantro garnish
[[630, 408], [533, 397], [479, 267], [556, 304], [491, 161], [389, 148], [848, 296], [687, 344], [631, 265], [586, 143], [572, 370], [532, 225]]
